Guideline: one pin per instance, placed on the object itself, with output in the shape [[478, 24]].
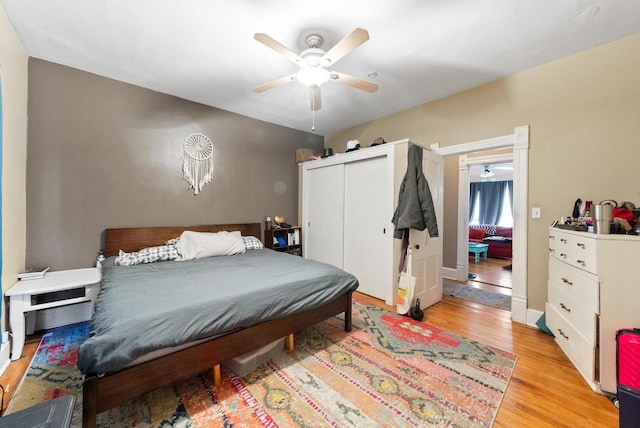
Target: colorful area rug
[[473, 294], [389, 371]]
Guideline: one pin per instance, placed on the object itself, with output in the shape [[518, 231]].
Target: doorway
[[490, 216], [518, 142]]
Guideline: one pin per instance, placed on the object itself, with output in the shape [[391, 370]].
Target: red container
[[628, 344], [628, 373]]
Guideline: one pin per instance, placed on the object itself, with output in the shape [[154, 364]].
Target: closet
[[348, 201]]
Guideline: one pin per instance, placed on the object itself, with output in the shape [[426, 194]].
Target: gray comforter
[[158, 305]]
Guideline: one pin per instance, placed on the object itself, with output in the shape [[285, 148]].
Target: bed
[[112, 380]]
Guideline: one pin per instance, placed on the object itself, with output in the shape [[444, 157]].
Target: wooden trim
[[113, 389], [137, 238]]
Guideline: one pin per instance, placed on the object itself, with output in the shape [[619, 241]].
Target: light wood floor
[[490, 271], [545, 390], [15, 372]]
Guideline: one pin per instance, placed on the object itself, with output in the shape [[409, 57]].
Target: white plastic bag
[[406, 288]]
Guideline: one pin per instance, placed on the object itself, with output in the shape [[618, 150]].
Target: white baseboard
[[533, 315], [4, 357], [449, 273]]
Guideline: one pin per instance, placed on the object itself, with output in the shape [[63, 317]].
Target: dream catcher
[[197, 161]]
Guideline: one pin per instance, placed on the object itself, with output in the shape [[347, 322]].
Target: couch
[[498, 238]]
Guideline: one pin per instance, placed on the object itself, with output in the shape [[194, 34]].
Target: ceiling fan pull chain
[[313, 110]]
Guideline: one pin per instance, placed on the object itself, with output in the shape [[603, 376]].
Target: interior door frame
[[519, 143], [462, 270]]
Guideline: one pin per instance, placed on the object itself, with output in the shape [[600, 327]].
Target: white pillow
[[196, 245]]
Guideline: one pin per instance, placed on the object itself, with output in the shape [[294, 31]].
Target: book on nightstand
[[33, 273]]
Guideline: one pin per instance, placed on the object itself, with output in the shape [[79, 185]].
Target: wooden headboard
[[136, 238]]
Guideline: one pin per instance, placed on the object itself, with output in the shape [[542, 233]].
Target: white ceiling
[[501, 172], [204, 51]]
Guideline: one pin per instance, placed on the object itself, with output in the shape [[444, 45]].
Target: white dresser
[[593, 291]]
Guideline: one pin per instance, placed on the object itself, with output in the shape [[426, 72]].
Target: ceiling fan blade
[[274, 83], [278, 47], [316, 103], [356, 82], [346, 45]]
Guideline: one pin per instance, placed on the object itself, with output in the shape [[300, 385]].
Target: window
[[506, 216], [491, 203]]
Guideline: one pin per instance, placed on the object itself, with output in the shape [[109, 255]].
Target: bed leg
[[89, 401], [347, 313], [217, 377], [288, 342]]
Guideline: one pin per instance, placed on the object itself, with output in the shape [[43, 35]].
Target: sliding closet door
[[368, 230], [323, 211]]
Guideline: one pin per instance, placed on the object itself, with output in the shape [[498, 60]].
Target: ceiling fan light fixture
[[313, 76], [314, 64], [487, 173]]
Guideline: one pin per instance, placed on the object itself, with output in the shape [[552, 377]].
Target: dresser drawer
[[581, 318], [579, 250], [580, 285], [578, 349]]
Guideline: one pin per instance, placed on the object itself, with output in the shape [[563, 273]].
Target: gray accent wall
[[104, 154]]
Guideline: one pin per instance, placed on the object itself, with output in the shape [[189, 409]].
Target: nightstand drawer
[[581, 286], [581, 318], [578, 349]]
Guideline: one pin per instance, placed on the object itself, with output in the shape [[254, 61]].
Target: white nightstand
[[35, 294]]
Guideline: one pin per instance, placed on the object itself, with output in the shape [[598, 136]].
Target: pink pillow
[[476, 233]]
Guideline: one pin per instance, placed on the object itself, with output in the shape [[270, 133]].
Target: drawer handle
[[563, 255], [552, 237], [566, 281], [581, 262], [580, 245], [564, 241], [563, 306], [562, 334], [551, 250]]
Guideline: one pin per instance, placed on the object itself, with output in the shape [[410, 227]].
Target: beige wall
[[108, 154], [13, 77], [584, 117]]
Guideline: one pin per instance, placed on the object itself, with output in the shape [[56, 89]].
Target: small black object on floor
[[416, 313]]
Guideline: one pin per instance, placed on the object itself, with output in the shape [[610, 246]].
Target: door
[[427, 251], [367, 233], [323, 211]]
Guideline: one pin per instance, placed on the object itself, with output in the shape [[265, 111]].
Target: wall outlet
[[535, 212]]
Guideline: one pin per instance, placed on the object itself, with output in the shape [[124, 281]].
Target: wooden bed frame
[[101, 393]]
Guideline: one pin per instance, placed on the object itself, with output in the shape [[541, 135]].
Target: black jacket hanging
[[415, 208]]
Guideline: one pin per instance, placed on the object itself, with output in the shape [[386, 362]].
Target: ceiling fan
[[314, 64], [487, 170], [487, 173]]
